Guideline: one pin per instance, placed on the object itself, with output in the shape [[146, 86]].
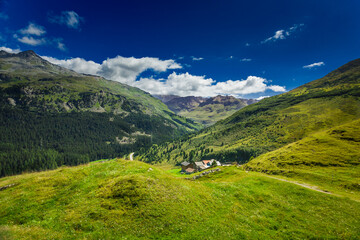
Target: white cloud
[[4, 16], [34, 35], [197, 58], [77, 64], [318, 64], [68, 18], [31, 41], [278, 35], [246, 60], [121, 69], [282, 34], [33, 29], [189, 85], [277, 88], [58, 42], [28, 34], [9, 50], [262, 97], [128, 70]]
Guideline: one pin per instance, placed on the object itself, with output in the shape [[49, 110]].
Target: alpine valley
[[292, 161]]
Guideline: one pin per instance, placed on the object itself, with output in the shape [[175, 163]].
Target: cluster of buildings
[[187, 167]]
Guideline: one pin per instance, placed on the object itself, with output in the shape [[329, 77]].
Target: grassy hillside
[[273, 122], [329, 158], [120, 199], [52, 116]]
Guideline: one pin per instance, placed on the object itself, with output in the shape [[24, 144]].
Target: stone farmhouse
[[188, 168]]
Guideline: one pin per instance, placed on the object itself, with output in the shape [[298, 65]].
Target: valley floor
[[120, 199]]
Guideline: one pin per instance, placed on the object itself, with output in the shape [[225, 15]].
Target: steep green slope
[[330, 159], [52, 116], [273, 122], [120, 199]]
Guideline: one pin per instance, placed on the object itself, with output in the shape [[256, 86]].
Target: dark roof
[[185, 163]]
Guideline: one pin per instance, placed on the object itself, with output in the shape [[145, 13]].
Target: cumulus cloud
[[283, 34], [197, 58], [277, 88], [9, 50], [128, 70], [186, 84], [31, 35], [79, 65], [121, 69], [31, 41], [33, 29], [318, 64], [69, 18]]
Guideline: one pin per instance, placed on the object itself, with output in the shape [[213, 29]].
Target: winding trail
[[304, 185], [131, 156]]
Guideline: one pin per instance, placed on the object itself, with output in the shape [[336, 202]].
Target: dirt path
[[303, 185], [131, 156]]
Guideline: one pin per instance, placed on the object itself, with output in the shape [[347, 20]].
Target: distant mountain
[[310, 133], [205, 110], [52, 116]]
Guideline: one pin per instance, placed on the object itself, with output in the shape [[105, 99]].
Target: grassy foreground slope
[[121, 199]]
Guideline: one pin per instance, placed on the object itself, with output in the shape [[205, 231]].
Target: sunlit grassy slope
[[121, 199], [329, 158], [273, 122]]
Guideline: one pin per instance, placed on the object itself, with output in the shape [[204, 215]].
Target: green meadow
[[119, 199]]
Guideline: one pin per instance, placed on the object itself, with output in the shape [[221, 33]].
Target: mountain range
[[206, 111]]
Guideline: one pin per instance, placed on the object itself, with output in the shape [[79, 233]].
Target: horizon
[[202, 49]]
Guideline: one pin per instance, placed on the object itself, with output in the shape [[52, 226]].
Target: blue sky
[[243, 48]]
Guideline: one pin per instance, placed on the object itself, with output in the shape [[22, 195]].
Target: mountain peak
[[28, 54], [350, 66]]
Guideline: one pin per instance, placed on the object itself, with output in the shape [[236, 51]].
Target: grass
[[330, 159], [120, 199]]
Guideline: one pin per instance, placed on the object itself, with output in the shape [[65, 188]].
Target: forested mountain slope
[[50, 116]]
